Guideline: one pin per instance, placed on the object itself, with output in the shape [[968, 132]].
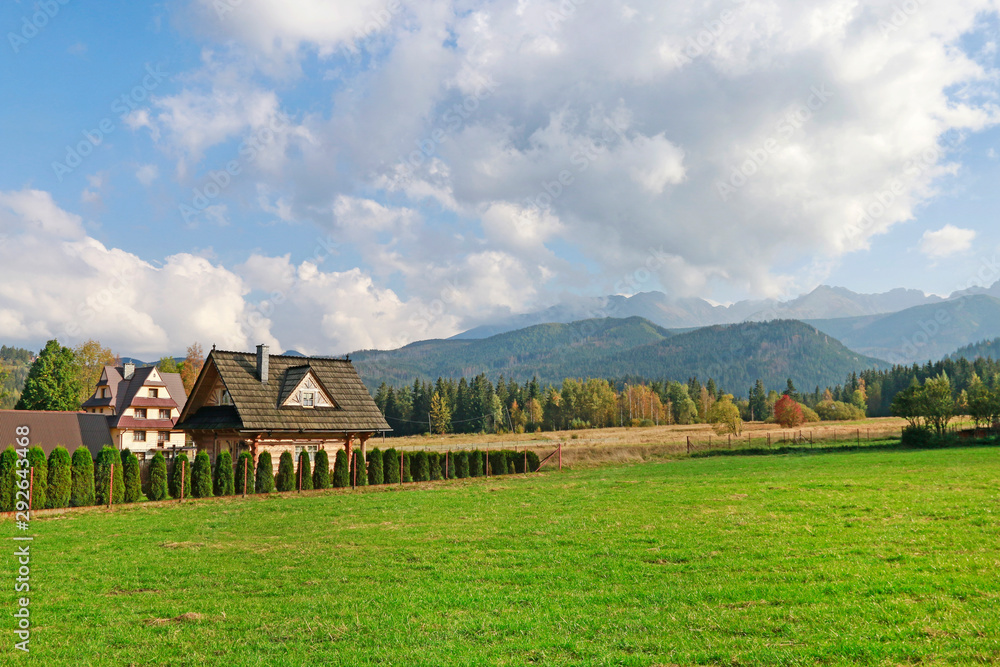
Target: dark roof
[[213, 418], [54, 429], [124, 393], [256, 405]]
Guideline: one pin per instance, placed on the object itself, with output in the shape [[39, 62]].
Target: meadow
[[854, 557]]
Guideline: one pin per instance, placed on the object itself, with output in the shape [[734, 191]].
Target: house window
[[154, 393], [309, 449], [140, 413], [162, 437], [225, 399], [164, 414], [138, 436], [104, 392], [308, 399]]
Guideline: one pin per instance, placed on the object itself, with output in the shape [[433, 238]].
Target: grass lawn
[[872, 557]]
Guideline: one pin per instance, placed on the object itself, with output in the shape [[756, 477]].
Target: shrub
[[158, 478], [243, 470], [341, 473], [917, 436], [838, 411], [361, 469], [181, 468], [285, 479], [321, 471], [390, 466], [201, 476], [108, 457], [436, 462], [60, 482], [304, 475], [461, 464], [475, 463], [787, 412], [420, 467], [533, 461], [132, 477], [517, 459], [375, 475], [498, 463], [8, 479], [264, 475], [82, 472], [223, 482], [407, 467], [450, 464], [40, 483]]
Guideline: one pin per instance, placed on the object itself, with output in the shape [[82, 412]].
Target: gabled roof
[[256, 405], [54, 429], [124, 393]]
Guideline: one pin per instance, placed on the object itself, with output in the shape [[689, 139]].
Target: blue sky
[[409, 170]]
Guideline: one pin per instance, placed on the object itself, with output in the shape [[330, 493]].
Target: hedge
[[133, 481], [243, 470], [390, 466], [321, 472], [181, 467], [285, 479], [437, 465], [108, 457], [158, 477], [8, 479], [341, 473], [451, 464], [304, 475], [534, 463], [375, 467], [82, 473], [264, 475], [407, 467], [420, 467], [201, 476], [60, 482], [461, 464], [40, 483], [475, 463], [361, 478], [223, 482]]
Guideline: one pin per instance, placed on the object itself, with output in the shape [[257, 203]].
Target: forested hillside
[[985, 349], [14, 365]]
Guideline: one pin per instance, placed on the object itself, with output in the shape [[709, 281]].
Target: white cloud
[[147, 173], [947, 241]]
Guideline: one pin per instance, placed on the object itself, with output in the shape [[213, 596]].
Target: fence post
[[111, 487], [859, 437], [769, 440], [689, 444], [560, 457], [183, 468]]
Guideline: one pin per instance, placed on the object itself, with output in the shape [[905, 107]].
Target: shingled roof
[[54, 429], [256, 405]]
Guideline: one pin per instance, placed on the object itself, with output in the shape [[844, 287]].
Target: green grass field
[[874, 557]]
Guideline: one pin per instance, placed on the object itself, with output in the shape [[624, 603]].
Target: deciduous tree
[[52, 382]]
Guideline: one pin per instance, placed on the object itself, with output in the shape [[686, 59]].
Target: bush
[[498, 463], [201, 476], [60, 482], [534, 463], [461, 464], [264, 474], [838, 411], [181, 468], [243, 470], [450, 464], [109, 457], [375, 475], [420, 466], [475, 463], [321, 471], [133, 479], [285, 479], [917, 436], [361, 478], [407, 467], [158, 478], [40, 484], [436, 462], [82, 473], [390, 466], [304, 475], [223, 482], [787, 412], [341, 473], [8, 479]]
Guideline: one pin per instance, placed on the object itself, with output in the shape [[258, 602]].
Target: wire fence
[[792, 438]]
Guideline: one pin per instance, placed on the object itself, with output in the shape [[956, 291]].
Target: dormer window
[[140, 413], [104, 392], [154, 393], [307, 399], [225, 399]]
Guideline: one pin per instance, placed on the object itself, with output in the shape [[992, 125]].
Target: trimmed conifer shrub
[[451, 465], [60, 482], [436, 462], [223, 482], [82, 473], [285, 479], [243, 470], [362, 468], [390, 466], [533, 461], [158, 477], [475, 463], [201, 476], [264, 475], [108, 457], [407, 467], [304, 475], [321, 471], [461, 464], [40, 484], [375, 474], [8, 479], [420, 467], [181, 468], [132, 478], [498, 463], [341, 471]]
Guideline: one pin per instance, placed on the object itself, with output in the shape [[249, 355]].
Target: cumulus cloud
[[147, 173], [947, 241]]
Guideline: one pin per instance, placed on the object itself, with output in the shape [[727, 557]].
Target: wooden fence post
[[859, 437], [560, 457], [689, 444], [769, 440], [730, 441], [111, 486]]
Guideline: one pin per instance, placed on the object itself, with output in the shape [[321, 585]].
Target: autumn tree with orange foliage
[[191, 366], [787, 412]]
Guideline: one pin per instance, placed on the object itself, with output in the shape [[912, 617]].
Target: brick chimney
[[129, 371], [262, 362]]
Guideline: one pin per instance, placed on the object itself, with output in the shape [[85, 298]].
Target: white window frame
[[311, 398]]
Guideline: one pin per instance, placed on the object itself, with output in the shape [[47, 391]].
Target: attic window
[[225, 398], [104, 392], [154, 393], [308, 399]]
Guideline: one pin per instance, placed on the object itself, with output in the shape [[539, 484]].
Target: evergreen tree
[[475, 463], [361, 469], [420, 467], [108, 457], [60, 481], [181, 468], [390, 466], [758, 402], [341, 471], [223, 482], [52, 382], [201, 476], [375, 472], [82, 474], [461, 464], [158, 478], [407, 467], [450, 462], [36, 460], [285, 479], [436, 462], [244, 470], [440, 415], [304, 476], [321, 471], [264, 474], [8, 479], [131, 477]]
